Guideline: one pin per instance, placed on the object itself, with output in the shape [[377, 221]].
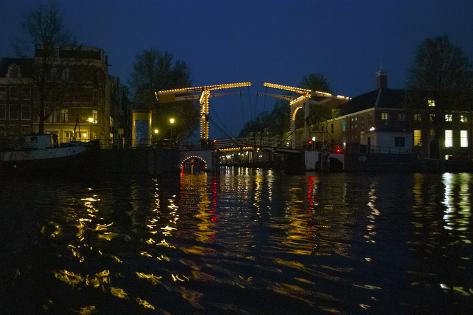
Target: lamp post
[[172, 121], [156, 132]]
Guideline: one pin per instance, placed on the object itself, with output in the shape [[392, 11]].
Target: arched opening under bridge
[[193, 164]]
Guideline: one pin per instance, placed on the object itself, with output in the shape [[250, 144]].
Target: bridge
[[253, 151], [263, 152]]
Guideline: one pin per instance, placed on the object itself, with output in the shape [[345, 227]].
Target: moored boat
[[42, 153]]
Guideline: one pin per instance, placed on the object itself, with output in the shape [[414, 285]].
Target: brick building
[[83, 102], [15, 97], [385, 121]]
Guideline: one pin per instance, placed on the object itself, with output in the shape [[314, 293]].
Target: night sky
[[275, 41]]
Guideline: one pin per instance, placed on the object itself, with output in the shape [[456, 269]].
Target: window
[[13, 91], [417, 137], [25, 130], [25, 112], [52, 118], [26, 91], [95, 116], [3, 92], [13, 71], [432, 117], [384, 116], [68, 135], [448, 138], [65, 74], [448, 117], [431, 103], [2, 130], [3, 112], [344, 125], [64, 115], [464, 138], [399, 141], [463, 118], [401, 116], [331, 128], [418, 117], [14, 112]]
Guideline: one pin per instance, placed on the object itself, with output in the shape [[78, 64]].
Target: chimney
[[382, 79]]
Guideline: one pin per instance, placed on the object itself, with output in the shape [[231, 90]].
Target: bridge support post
[[306, 118]]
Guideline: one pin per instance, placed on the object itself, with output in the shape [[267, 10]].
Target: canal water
[[244, 241]]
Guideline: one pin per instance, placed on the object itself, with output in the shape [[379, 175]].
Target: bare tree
[[47, 35], [155, 70], [443, 73], [443, 70]]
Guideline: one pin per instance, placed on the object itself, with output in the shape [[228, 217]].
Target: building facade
[[16, 97], [386, 121], [82, 102]]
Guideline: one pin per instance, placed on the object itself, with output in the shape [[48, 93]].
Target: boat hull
[[59, 161]]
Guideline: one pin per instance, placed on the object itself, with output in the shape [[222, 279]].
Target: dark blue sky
[[276, 41]]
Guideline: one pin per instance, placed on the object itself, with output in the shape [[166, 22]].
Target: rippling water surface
[[244, 241]]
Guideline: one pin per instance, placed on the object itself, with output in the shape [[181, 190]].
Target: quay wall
[[135, 161]]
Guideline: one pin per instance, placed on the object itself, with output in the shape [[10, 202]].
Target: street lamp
[[172, 121], [156, 131]]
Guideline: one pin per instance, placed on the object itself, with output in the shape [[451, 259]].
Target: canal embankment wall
[[145, 160]]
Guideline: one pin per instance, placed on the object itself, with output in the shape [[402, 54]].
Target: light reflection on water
[[244, 241]]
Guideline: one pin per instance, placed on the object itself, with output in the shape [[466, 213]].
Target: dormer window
[[431, 103], [13, 71], [65, 74]]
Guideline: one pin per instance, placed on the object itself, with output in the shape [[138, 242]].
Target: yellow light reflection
[[153, 279], [145, 304], [374, 213], [85, 310], [118, 292]]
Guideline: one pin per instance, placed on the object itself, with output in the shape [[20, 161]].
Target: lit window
[[417, 117], [384, 116], [464, 138], [68, 135], [401, 116], [417, 137], [463, 118], [431, 103], [95, 116], [448, 117], [448, 138]]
